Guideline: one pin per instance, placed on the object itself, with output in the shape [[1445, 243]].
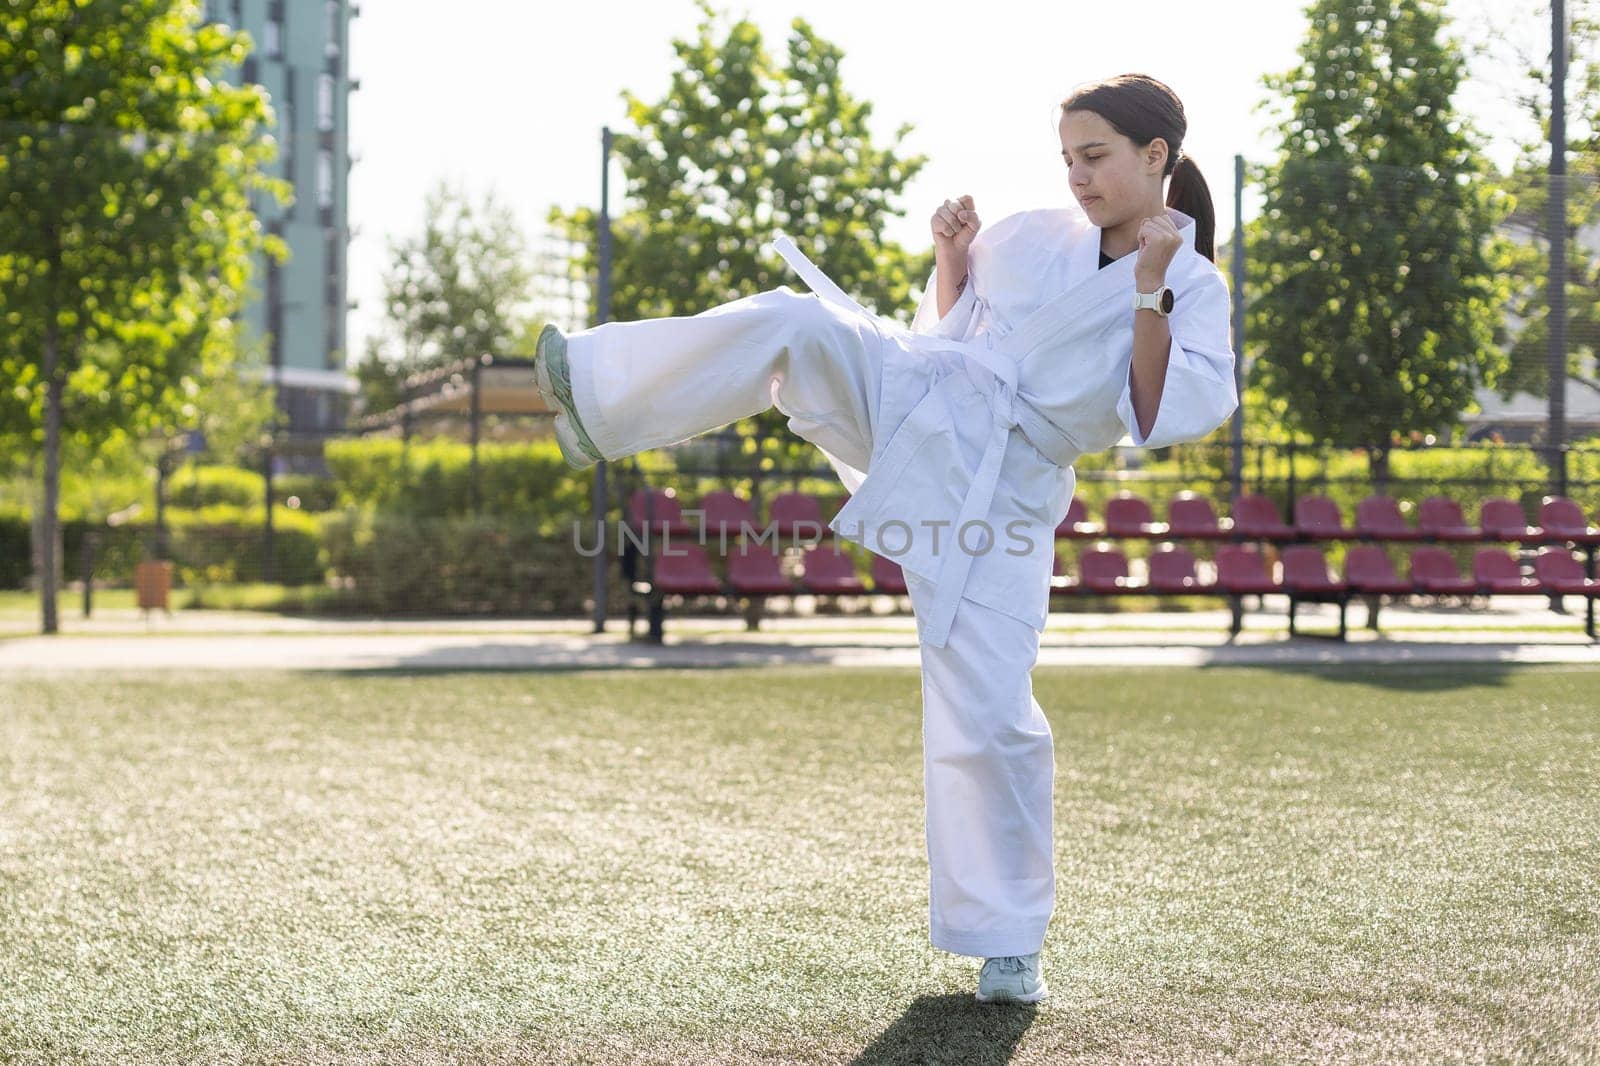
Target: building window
[[324, 178], [331, 30], [325, 86], [330, 246], [274, 39], [288, 125]]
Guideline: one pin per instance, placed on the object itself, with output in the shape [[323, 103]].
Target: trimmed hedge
[[393, 564]]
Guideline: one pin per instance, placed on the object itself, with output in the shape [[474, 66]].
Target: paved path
[[1509, 629]]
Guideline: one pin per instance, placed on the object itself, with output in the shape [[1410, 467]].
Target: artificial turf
[[1261, 865]]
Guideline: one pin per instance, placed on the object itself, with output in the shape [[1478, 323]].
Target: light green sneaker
[[1012, 979], [551, 375]]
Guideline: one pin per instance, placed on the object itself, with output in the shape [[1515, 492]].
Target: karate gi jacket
[[984, 411]]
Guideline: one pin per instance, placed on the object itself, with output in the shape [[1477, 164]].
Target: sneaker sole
[[1039, 996], [570, 438]]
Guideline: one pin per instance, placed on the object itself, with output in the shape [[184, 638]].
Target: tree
[[738, 149], [1373, 258], [1518, 62], [129, 236], [454, 292]]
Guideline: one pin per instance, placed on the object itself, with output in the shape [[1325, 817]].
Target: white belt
[[1002, 397]]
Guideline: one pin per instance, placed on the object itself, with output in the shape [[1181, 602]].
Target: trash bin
[[152, 580]]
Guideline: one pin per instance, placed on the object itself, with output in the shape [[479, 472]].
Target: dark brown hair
[[1141, 108]]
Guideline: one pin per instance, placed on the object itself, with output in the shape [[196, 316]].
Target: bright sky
[[512, 96]]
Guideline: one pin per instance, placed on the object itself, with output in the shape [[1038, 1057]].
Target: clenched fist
[[1159, 241], [954, 226]]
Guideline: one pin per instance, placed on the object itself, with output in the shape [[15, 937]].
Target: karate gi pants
[[988, 753]]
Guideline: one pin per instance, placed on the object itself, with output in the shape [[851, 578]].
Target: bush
[[227, 545], [433, 479], [400, 564], [231, 485], [313, 493]]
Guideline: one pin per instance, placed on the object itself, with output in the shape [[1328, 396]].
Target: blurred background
[[270, 270]]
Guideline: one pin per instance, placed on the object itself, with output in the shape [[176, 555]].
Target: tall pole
[[602, 314], [1557, 356], [1236, 437], [476, 416], [269, 563]]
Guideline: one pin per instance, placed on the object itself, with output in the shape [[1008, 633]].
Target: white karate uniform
[[956, 438]]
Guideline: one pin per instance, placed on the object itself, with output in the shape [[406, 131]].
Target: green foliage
[[400, 564], [1373, 260], [224, 544], [124, 197], [433, 478], [220, 543], [125, 193], [1527, 331], [192, 488], [451, 293], [312, 493], [739, 148]]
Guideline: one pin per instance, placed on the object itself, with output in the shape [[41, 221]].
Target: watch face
[[1166, 301]]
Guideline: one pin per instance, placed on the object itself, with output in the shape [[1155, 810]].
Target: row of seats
[[1241, 570], [1190, 516], [754, 570], [1255, 517]]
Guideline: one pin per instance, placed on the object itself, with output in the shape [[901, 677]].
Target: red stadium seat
[[1242, 570], [1128, 515], [1503, 519], [1306, 577], [1367, 570], [797, 516], [1497, 572], [1076, 523], [1306, 570], [887, 577], [727, 511], [827, 570], [1433, 570], [1561, 573], [685, 570], [665, 511], [1562, 522], [1318, 517], [1256, 517], [1190, 516], [1104, 570], [1172, 572], [1440, 517], [755, 570], [1379, 518]]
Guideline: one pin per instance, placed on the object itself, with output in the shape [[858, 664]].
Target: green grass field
[[1256, 865]]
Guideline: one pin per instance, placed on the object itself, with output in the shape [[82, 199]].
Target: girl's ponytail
[[1188, 192]]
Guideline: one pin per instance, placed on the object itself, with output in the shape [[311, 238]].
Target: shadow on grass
[[1423, 676], [564, 657], [951, 1028]]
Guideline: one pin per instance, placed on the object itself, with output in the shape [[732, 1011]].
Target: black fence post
[[88, 571]]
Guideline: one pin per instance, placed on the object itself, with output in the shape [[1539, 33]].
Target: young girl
[[1055, 332]]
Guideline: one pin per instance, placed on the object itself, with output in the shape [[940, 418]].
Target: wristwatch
[[1159, 301]]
